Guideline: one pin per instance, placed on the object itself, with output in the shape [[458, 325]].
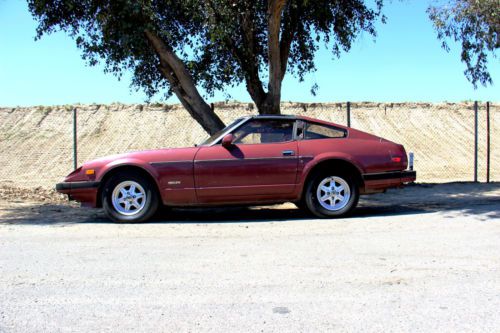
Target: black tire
[[147, 210], [314, 205], [301, 205]]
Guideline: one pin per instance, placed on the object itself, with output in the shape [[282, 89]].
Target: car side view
[[256, 160]]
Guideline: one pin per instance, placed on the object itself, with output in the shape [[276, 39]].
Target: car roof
[[273, 116], [293, 117]]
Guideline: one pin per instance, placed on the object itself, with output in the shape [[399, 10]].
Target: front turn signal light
[[90, 172]]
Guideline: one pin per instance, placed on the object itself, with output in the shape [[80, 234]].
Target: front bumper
[[84, 191], [76, 185]]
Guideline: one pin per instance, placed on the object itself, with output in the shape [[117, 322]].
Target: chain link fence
[[441, 137], [36, 144]]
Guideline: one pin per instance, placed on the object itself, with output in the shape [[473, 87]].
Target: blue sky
[[404, 63]]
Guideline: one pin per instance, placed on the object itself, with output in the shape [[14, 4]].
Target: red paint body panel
[[248, 173], [87, 197], [242, 172]]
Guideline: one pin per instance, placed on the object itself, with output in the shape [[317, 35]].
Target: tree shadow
[[471, 199]]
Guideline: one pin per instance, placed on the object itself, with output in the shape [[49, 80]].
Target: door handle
[[288, 152]]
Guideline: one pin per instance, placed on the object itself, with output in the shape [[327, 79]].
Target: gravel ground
[[425, 258]]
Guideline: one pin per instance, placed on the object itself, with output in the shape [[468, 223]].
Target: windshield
[[214, 137]]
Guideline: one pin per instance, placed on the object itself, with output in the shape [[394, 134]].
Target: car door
[[261, 163]]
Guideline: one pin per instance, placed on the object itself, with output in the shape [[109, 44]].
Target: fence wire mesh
[[495, 143], [36, 144], [440, 136]]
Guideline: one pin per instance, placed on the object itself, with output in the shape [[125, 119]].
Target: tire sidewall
[[317, 209], [151, 198]]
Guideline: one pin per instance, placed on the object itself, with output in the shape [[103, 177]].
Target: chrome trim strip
[[247, 159], [169, 162], [246, 187], [275, 116], [228, 159]]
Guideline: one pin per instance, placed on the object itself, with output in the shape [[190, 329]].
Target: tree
[[476, 25], [180, 46]]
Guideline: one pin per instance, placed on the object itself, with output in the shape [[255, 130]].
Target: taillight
[[396, 159]]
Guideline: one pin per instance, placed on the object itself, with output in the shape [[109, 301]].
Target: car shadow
[[60, 214], [471, 199]]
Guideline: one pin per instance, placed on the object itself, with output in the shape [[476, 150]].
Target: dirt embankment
[[36, 142]]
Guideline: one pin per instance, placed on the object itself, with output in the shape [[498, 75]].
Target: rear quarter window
[[317, 131]]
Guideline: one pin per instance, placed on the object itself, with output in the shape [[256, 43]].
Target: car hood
[[147, 156]]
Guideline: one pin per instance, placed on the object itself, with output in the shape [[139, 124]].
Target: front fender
[[127, 162]]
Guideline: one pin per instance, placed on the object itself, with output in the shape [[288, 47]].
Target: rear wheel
[[331, 194], [127, 197]]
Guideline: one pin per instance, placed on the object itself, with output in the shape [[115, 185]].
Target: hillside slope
[[36, 142]]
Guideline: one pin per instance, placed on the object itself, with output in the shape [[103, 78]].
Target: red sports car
[[320, 166]]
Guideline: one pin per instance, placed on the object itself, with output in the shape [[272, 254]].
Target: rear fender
[[310, 166]]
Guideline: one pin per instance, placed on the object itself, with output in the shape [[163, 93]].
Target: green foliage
[[476, 25], [221, 42]]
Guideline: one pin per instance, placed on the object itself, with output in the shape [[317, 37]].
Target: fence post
[[75, 162], [475, 141], [487, 142], [348, 114]]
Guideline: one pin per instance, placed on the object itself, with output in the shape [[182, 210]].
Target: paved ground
[[426, 258]]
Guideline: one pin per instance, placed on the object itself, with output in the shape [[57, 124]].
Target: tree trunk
[[271, 104], [182, 84]]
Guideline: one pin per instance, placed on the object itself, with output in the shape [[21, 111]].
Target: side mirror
[[227, 141]]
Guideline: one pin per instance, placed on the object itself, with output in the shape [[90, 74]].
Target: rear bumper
[[411, 175], [383, 180], [84, 192]]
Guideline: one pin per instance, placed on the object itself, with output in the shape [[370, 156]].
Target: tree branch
[[290, 29], [275, 9], [246, 55], [174, 70], [250, 63]]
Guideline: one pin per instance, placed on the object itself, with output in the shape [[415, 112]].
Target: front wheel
[[331, 195], [127, 197]]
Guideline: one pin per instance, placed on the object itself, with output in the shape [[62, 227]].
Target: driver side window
[[264, 131]]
